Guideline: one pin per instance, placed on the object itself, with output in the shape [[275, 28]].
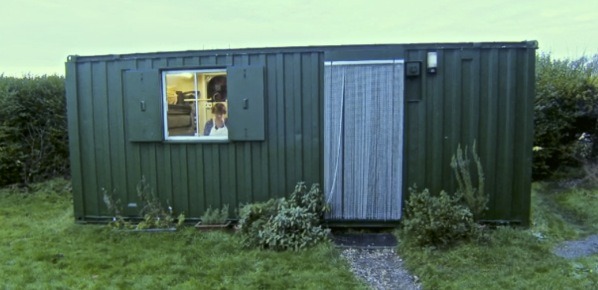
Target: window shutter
[[143, 106], [246, 121]]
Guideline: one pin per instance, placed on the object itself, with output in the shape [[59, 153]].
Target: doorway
[[363, 139]]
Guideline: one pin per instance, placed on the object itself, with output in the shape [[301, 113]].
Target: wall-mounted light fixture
[[432, 62]]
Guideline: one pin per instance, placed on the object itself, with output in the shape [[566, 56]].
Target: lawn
[[516, 258], [42, 248]]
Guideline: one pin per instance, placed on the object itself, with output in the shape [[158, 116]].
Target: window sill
[[197, 140]]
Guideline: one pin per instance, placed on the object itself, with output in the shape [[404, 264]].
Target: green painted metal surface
[[480, 91], [143, 105], [482, 94], [246, 103], [191, 176]]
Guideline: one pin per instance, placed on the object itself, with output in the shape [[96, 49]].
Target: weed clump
[[474, 197], [153, 215], [215, 216]]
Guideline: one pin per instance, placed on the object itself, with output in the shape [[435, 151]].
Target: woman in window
[[217, 125]]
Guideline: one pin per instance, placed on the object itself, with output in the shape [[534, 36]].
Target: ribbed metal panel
[[481, 91], [478, 94], [193, 176]]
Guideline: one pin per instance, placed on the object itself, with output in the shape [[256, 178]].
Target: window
[[195, 105]]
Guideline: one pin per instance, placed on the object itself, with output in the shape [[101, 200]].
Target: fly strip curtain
[[363, 146]]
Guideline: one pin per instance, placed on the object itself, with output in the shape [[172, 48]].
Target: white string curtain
[[363, 127]]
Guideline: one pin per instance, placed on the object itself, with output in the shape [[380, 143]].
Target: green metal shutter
[[246, 103], [143, 106]]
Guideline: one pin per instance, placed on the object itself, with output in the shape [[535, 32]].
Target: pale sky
[[36, 36]]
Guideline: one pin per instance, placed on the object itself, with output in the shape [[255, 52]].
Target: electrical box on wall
[[412, 69], [413, 81]]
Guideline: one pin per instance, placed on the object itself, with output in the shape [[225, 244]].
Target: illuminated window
[[195, 105]]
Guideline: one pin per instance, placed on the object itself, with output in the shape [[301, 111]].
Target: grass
[[516, 258], [42, 248]]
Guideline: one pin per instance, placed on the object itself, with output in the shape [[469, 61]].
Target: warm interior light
[[187, 75], [432, 61]]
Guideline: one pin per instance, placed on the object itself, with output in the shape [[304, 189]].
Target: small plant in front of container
[[474, 197], [214, 219], [153, 216], [441, 220], [437, 221], [114, 206]]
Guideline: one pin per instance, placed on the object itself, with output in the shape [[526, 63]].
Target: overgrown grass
[[42, 248], [515, 258], [564, 214]]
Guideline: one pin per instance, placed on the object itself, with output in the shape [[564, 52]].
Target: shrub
[[436, 221], [565, 109], [253, 219], [33, 131], [285, 224]]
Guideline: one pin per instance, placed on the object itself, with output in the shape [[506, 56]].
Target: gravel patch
[[380, 268], [576, 249]]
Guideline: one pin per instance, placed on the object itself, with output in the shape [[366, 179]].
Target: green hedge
[[33, 131], [566, 107]]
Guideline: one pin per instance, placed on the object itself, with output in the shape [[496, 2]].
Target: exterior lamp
[[432, 62]]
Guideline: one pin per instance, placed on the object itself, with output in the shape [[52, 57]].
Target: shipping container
[[234, 126]]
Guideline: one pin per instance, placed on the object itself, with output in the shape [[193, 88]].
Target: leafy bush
[[285, 224], [253, 218], [476, 198], [566, 110], [312, 200], [436, 221], [33, 130]]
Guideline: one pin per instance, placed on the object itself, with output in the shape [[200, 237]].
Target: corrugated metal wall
[[193, 176], [481, 91], [483, 94]]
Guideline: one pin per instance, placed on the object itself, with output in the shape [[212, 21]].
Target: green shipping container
[[213, 127]]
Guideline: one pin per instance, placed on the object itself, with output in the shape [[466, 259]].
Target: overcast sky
[[36, 36]]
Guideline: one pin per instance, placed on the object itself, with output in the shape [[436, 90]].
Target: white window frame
[[197, 136]]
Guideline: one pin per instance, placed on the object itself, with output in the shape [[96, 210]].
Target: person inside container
[[217, 125]]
